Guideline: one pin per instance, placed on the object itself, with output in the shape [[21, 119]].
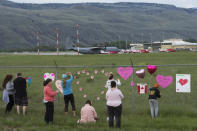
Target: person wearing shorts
[[21, 99]]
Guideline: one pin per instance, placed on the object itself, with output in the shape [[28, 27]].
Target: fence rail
[[96, 66]]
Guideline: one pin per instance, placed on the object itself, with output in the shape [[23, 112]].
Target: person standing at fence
[[67, 91], [88, 113], [21, 99], [110, 79], [49, 98], [114, 105], [154, 93], [8, 92]]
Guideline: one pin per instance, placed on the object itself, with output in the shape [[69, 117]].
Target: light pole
[[38, 42], [78, 44], [57, 41]]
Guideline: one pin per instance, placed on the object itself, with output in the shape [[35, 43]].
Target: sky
[[178, 3]]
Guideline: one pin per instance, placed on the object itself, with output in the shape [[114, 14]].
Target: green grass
[[177, 111]]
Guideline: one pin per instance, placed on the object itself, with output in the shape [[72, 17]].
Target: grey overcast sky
[[178, 3]]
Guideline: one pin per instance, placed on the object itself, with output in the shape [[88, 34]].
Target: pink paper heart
[[78, 82], [92, 77], [52, 74], [95, 71], [164, 81], [132, 84], [98, 98], [151, 69], [102, 71], [125, 73], [45, 76], [106, 74], [102, 92], [78, 73]]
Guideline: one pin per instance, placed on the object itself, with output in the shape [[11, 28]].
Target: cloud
[[179, 3]]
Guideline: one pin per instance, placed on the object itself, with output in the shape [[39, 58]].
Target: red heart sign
[[183, 81]]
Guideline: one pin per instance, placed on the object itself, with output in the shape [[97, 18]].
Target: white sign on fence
[[183, 83]]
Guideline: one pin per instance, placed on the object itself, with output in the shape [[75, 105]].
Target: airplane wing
[[95, 48]]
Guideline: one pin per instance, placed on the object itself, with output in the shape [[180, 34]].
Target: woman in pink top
[[88, 113], [114, 105], [49, 97]]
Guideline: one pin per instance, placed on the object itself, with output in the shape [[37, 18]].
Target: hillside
[[99, 22]]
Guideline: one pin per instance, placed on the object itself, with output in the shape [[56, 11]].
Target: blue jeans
[[154, 109]]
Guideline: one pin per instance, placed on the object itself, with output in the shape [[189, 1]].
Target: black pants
[[67, 99], [49, 112], [114, 111], [10, 104]]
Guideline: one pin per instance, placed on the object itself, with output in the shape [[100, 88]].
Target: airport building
[[177, 44]]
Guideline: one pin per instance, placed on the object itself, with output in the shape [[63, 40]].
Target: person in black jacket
[[154, 93], [20, 86]]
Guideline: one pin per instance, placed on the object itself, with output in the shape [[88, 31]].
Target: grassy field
[[177, 111]]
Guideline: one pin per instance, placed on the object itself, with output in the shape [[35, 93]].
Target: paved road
[[41, 53]]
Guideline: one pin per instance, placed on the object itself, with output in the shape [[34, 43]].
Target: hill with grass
[[99, 22]]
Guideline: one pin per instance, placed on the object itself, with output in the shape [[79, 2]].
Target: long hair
[[64, 83], [7, 78], [46, 82], [111, 76]]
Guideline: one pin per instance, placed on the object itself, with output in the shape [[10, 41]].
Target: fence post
[[133, 90], [56, 77]]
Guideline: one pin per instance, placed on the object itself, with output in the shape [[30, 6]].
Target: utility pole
[[78, 44], [163, 36], [38, 43], [133, 90], [57, 41], [56, 77], [151, 41], [126, 44], [119, 41], [132, 38], [142, 37]]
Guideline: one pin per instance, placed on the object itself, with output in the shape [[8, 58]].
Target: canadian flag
[[142, 88]]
